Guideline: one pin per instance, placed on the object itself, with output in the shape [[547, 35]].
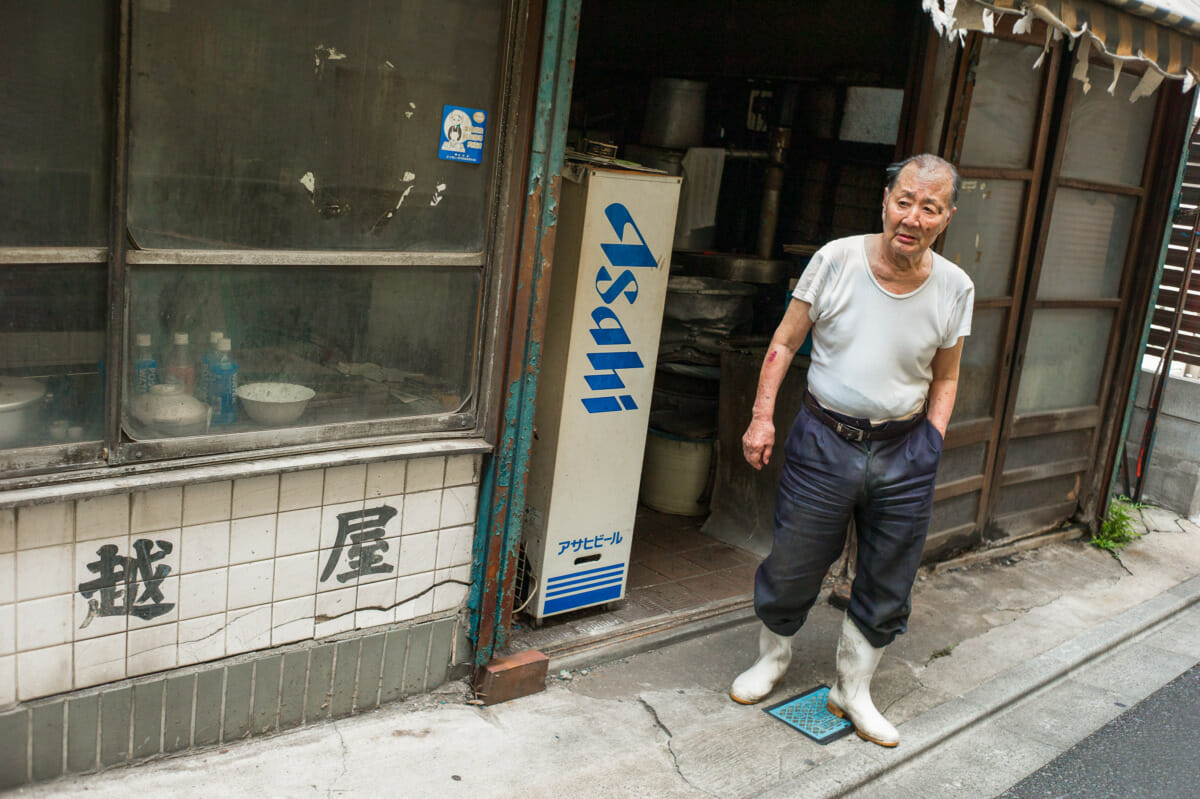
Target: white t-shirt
[[873, 350]]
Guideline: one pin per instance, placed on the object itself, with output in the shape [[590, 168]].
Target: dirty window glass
[[55, 142], [983, 235], [311, 345], [980, 360], [1107, 135], [52, 323], [1064, 359], [1085, 251], [1004, 106], [313, 124]]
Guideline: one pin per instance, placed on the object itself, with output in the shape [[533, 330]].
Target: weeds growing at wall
[[1119, 528]]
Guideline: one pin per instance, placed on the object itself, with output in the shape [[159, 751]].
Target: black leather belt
[[864, 431]]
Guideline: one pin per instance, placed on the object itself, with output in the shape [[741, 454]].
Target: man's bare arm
[[759, 438], [944, 386]]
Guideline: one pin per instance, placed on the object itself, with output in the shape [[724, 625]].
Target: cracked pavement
[[660, 723]]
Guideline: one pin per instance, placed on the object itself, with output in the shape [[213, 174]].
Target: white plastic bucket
[[675, 474]]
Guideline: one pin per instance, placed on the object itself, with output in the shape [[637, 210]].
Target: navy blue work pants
[[887, 487]]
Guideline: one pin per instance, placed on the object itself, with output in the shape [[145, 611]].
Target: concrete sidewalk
[[1009, 661]]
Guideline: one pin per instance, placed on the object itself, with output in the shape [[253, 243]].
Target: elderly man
[[888, 316]]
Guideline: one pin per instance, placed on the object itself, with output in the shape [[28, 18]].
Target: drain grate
[[808, 714]]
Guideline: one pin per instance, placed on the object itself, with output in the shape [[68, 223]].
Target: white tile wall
[[100, 660], [201, 639], [42, 672], [8, 629], [205, 546], [344, 484], [8, 680], [101, 517], [252, 538], [254, 496], [44, 622], [301, 489], [454, 546], [418, 553], [451, 591], [385, 479], [44, 571], [8, 530], [296, 575], [335, 611], [207, 502], [250, 583], [297, 531], [422, 511], [203, 593], [462, 469], [425, 475], [292, 620], [458, 506], [8, 577], [242, 572], [247, 629], [150, 649], [43, 525], [413, 597], [159, 509]]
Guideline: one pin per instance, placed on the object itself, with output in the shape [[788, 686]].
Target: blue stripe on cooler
[[584, 586], [579, 578], [574, 575], [593, 597]]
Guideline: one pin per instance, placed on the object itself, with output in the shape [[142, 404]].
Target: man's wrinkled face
[[916, 210]]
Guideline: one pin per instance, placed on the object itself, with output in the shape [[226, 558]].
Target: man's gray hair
[[925, 162]]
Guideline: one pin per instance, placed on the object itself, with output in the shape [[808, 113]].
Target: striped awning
[[1165, 34]]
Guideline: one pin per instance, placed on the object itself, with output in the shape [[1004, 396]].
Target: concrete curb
[[865, 764]]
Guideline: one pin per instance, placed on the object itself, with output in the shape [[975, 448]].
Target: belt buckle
[[850, 433]]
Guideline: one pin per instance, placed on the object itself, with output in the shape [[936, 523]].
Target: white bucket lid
[[16, 392]]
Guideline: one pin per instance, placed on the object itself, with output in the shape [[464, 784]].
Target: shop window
[[312, 179], [309, 124], [55, 143], [51, 348], [311, 346]]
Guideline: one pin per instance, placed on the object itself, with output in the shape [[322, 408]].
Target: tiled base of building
[[257, 694]]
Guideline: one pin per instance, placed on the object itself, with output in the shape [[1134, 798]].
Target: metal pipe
[[768, 218], [781, 142]]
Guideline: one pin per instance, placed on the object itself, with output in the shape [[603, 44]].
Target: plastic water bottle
[[145, 368], [223, 385], [206, 363], [180, 368]]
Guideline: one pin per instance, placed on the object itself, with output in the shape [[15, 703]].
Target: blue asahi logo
[[608, 330]]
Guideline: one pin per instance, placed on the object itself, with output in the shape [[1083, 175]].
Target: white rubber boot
[[850, 696], [755, 683]]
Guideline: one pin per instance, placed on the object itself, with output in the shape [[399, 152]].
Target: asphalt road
[[1152, 751]]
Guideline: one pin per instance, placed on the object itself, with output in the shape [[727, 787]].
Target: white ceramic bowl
[[274, 403]]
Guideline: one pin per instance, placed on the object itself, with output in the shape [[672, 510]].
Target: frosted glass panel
[[1085, 252], [1107, 135], [1003, 106], [983, 235], [977, 371], [1064, 359]]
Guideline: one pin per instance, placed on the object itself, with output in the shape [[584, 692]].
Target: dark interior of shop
[[807, 101]]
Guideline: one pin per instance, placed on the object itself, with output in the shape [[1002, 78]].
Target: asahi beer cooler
[[609, 282]]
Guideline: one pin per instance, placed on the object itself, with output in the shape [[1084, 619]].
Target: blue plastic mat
[[808, 714]]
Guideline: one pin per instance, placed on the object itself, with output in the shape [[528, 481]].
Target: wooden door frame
[[954, 130]]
